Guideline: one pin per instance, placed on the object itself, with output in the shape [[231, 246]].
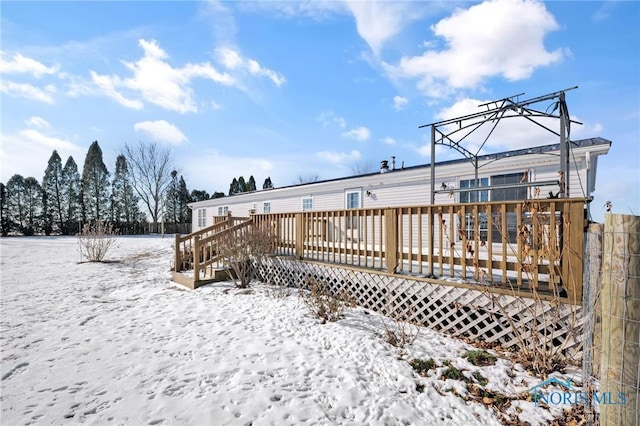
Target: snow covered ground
[[118, 343]]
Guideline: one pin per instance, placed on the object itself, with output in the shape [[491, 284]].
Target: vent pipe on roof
[[393, 162], [384, 166]]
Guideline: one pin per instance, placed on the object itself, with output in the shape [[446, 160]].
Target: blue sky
[[291, 89]]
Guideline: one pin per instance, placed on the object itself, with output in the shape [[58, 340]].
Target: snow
[[119, 343]]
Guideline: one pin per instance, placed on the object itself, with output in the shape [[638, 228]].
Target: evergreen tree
[[217, 194], [95, 184], [53, 197], [172, 200], [124, 202], [233, 188], [242, 185], [15, 203], [184, 214], [71, 208], [199, 195], [4, 211], [33, 205], [267, 183], [251, 185]]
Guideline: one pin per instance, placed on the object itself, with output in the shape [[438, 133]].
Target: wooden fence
[[533, 245]]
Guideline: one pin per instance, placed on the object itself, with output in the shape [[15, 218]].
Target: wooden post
[[299, 236], [573, 250], [177, 265], [391, 239], [621, 320], [229, 219], [196, 258], [592, 299]]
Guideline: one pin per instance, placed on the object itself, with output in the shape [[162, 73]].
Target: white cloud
[[20, 64], [329, 118], [359, 133], [379, 21], [161, 131], [26, 151], [28, 91], [232, 60], [495, 38], [313, 9], [107, 86], [37, 122], [389, 141], [339, 157], [157, 81], [399, 102]]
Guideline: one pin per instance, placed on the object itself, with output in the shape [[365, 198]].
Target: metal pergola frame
[[496, 111]]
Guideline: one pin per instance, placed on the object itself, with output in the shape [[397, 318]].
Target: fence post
[[229, 219], [620, 360], [177, 266], [299, 236], [391, 239], [196, 258], [573, 250]]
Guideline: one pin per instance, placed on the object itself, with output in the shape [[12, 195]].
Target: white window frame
[[202, 218], [346, 198], [222, 210], [266, 207], [302, 206]]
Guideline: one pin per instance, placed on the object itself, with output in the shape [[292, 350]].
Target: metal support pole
[[564, 151]]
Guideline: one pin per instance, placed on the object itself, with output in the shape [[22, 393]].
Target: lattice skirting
[[474, 313]]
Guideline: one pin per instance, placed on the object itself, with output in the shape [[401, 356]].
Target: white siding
[[409, 187]]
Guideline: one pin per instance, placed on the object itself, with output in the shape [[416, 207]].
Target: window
[[223, 210], [474, 196], [202, 218], [266, 207], [307, 204], [509, 194], [353, 199]]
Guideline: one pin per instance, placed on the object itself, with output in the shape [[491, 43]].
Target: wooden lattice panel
[[477, 314]]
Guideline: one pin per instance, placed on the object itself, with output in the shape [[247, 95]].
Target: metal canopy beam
[[495, 111]]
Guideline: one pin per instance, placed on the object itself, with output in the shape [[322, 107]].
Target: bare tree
[[362, 167], [310, 178], [150, 167]]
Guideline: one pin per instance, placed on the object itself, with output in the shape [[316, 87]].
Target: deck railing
[[534, 245]]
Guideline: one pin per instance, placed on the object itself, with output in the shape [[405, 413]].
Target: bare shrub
[[95, 240], [399, 332], [242, 249], [321, 302]]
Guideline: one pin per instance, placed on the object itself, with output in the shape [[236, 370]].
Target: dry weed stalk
[[400, 332], [536, 325]]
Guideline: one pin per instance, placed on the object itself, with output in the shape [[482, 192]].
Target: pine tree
[[233, 188], [267, 183], [33, 205], [124, 202], [242, 185], [4, 211], [71, 208], [184, 214], [172, 200], [15, 203], [199, 195], [52, 187], [251, 185], [95, 184]]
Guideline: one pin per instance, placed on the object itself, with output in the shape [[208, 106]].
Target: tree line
[[65, 199]]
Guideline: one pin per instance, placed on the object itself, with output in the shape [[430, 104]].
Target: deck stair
[[204, 244]]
